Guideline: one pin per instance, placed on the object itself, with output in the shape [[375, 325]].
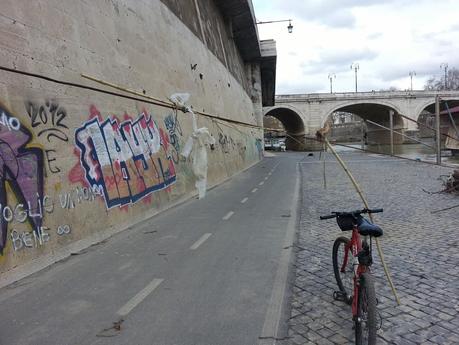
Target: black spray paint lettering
[[51, 161], [48, 119], [29, 239]]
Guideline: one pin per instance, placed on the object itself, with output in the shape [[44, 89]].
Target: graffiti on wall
[[173, 127], [125, 160], [226, 142], [259, 146], [49, 121], [21, 167]]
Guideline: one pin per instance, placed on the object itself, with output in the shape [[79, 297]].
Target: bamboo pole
[[437, 129], [359, 191], [125, 89], [165, 103]]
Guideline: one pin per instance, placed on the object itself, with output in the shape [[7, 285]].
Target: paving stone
[[422, 256]]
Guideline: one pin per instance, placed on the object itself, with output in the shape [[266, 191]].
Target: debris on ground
[[452, 183], [112, 331]]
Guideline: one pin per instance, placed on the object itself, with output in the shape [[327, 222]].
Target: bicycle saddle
[[368, 229]]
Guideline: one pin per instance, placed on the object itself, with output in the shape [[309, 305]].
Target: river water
[[412, 151]]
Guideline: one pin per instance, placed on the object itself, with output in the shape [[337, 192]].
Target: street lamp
[[289, 27], [412, 73], [355, 66], [445, 66], [331, 76]]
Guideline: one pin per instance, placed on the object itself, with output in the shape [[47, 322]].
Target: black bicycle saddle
[[368, 229]]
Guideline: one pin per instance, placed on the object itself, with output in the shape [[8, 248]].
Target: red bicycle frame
[[355, 246]]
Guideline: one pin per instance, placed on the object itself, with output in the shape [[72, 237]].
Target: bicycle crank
[[341, 296]]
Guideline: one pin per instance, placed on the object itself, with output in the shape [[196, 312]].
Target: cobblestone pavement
[[421, 250]]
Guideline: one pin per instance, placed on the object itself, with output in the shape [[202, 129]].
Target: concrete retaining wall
[[79, 165]]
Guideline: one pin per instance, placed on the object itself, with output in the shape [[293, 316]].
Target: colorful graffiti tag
[[126, 161], [22, 168]]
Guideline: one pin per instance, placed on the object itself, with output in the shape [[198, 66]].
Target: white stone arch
[[421, 106], [431, 101], [283, 105], [292, 108], [336, 107]]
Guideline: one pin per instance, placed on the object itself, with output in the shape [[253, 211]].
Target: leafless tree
[[438, 83]]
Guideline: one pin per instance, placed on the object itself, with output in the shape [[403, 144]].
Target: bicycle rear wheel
[[345, 278], [365, 322]]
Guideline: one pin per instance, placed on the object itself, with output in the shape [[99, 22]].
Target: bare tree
[[438, 83]]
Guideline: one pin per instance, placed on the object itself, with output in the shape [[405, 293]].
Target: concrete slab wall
[[79, 165]]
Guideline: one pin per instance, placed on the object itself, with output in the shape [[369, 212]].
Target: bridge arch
[[429, 105], [293, 122], [374, 114], [360, 107]]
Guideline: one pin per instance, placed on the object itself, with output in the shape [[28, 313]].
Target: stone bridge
[[303, 114]]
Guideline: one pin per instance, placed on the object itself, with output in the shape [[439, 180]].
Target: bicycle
[[354, 276]]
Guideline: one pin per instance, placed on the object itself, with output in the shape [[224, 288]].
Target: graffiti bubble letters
[[127, 160], [22, 168]]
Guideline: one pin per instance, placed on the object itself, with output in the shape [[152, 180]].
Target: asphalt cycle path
[[210, 271]]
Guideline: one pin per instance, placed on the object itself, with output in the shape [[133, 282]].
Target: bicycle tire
[[365, 322], [345, 280]]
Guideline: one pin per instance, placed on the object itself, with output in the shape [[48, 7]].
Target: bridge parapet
[[351, 96]]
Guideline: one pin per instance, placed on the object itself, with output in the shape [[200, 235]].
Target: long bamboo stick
[[359, 191]]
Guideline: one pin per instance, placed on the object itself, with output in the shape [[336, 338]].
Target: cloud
[[387, 38], [332, 13], [336, 61]]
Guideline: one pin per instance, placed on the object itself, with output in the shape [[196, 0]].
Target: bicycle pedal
[[340, 296]]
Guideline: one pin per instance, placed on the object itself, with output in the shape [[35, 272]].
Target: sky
[[387, 39]]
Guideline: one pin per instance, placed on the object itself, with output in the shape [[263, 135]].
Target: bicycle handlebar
[[328, 217], [353, 213]]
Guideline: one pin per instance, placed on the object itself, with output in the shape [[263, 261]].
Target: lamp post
[[289, 27], [412, 73], [356, 67], [331, 76], [444, 65]]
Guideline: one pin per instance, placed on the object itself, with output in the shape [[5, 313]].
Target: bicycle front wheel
[[344, 275], [365, 321]]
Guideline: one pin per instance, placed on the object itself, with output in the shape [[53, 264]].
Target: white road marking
[[200, 241], [243, 201], [254, 190], [358, 161], [270, 173], [261, 183], [228, 215], [266, 178], [270, 328], [274, 168], [137, 299]]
